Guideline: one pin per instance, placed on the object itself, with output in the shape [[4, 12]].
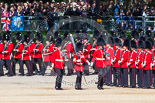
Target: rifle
[[63, 52], [86, 44], [18, 44], [129, 56]]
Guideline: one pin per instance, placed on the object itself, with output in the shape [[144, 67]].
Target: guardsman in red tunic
[[26, 57], [153, 67], [131, 64], [68, 50], [100, 57], [1, 57], [94, 48], [86, 51], [123, 63], [47, 53], [37, 53], [18, 52], [78, 60], [7, 50], [147, 64], [109, 52], [57, 62], [139, 62], [116, 67]]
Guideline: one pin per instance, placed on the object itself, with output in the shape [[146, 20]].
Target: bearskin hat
[[79, 47], [18, 36], [58, 42], [141, 44], [133, 44], [148, 45], [126, 43], [100, 41], [117, 42]]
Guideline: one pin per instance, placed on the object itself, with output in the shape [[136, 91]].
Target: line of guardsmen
[[111, 57]]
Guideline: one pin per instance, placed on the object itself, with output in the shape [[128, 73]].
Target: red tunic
[[69, 50], [81, 59], [116, 57], [109, 52], [57, 59], [18, 53], [1, 49], [9, 49], [86, 53], [26, 55], [32, 46], [95, 47], [148, 60], [100, 58], [49, 52], [125, 59], [133, 58], [38, 53], [140, 59]]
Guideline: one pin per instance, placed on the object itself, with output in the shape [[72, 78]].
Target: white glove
[[52, 65], [88, 62], [78, 61], [128, 64], [91, 64], [112, 61], [119, 62], [152, 65]]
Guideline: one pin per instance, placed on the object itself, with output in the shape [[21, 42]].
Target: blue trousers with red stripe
[[133, 77], [124, 77], [108, 75], [153, 73], [140, 78], [147, 78]]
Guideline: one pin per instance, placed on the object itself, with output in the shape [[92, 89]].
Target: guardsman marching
[[139, 61], [1, 56], [147, 64], [100, 57], [58, 63], [7, 50], [78, 60], [86, 51], [123, 63], [37, 53], [94, 48], [109, 52], [18, 52], [68, 50], [47, 52], [131, 64], [32, 46], [26, 57], [116, 66]]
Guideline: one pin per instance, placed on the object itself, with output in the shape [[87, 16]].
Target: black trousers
[[101, 76], [44, 67], [117, 76], [140, 78], [59, 77], [133, 77], [14, 65], [28, 65], [35, 61], [108, 75], [147, 78], [78, 79], [7, 64], [124, 77], [69, 66], [1, 67], [153, 73]]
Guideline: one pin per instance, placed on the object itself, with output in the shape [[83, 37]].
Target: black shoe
[[78, 88], [10, 75], [99, 87], [95, 73], [1, 75], [20, 74], [68, 74], [28, 75], [58, 88]]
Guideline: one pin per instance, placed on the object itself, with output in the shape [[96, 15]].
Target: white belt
[[60, 60], [100, 59]]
